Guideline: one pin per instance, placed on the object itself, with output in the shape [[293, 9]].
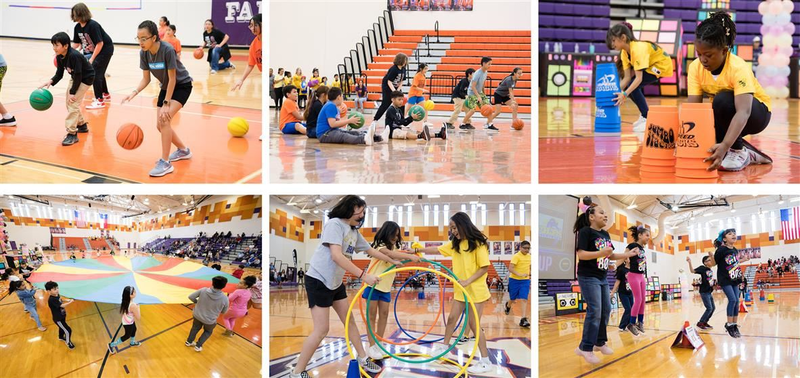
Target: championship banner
[[750, 253], [58, 230], [430, 5], [232, 17]]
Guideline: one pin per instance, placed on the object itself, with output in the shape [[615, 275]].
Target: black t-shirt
[[215, 37], [638, 262], [591, 240], [90, 35], [77, 66], [728, 270], [624, 287], [706, 275], [395, 75], [59, 313], [460, 90], [311, 122]]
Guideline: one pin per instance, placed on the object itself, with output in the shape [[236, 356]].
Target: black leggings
[[100, 66], [724, 110], [130, 332], [637, 96], [278, 97], [386, 102]]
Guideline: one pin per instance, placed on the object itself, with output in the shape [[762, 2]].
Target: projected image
[[556, 250]]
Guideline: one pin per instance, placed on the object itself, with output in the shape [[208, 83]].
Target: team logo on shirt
[[157, 66], [627, 286], [349, 245], [642, 260], [742, 83], [602, 244], [733, 266], [709, 275]]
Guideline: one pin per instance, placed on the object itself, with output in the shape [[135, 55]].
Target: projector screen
[[557, 215]]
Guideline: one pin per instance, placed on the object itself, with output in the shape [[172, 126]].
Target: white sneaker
[[756, 157], [735, 160], [213, 72], [96, 105], [588, 356], [374, 352], [479, 368], [437, 349], [605, 349], [368, 137], [259, 138], [640, 125], [387, 131]]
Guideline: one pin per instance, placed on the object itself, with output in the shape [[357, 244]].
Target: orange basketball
[[343, 111], [198, 53], [487, 110], [518, 124], [130, 136]]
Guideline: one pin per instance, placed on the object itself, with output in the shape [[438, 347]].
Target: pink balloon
[[785, 50], [765, 59], [763, 8], [788, 6], [789, 28]]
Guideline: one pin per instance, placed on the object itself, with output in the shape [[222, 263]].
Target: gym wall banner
[[233, 19], [430, 5]]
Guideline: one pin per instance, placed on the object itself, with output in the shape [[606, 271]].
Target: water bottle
[[591, 48], [547, 47], [577, 48]]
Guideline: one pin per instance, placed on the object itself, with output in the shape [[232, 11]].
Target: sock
[[7, 116], [486, 360], [133, 340], [116, 342], [641, 318]]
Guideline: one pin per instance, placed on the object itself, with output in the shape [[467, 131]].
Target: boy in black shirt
[[397, 126], [59, 313], [623, 288], [706, 275], [81, 77], [458, 96]]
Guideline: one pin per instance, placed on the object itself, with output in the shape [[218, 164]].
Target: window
[[738, 224], [391, 213], [753, 224], [502, 214], [484, 213], [426, 215], [473, 209], [511, 214], [464, 208], [399, 214], [366, 216], [772, 227], [522, 214], [436, 215], [375, 217], [445, 216], [409, 212], [763, 220]]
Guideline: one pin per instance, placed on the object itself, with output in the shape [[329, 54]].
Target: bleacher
[[448, 55], [581, 22], [788, 281]]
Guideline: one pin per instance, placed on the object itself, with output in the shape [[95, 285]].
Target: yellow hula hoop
[[416, 268]]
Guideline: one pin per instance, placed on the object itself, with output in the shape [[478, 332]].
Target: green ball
[[417, 112], [41, 99], [361, 119]]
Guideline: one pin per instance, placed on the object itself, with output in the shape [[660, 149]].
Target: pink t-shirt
[[238, 299]]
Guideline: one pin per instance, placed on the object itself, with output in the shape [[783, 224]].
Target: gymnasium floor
[[465, 157], [768, 346], [290, 323], [569, 152], [162, 330], [31, 152]]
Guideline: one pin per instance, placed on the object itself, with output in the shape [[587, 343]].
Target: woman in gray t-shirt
[[324, 278], [160, 60]]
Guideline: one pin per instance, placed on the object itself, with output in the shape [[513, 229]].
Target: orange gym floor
[[570, 152]]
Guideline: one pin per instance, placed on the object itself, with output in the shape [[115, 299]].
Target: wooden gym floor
[[768, 346], [162, 330], [290, 324], [31, 152], [569, 152], [465, 157]]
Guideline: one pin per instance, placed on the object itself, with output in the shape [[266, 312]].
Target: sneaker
[[135, 343], [374, 352], [303, 374], [438, 348], [111, 348], [71, 346], [640, 125], [180, 154], [96, 104], [736, 331], [426, 133], [42, 329], [701, 325], [70, 139], [386, 132], [198, 348], [162, 168], [8, 121], [640, 327], [735, 160], [449, 125], [524, 323], [378, 139], [188, 344], [605, 349], [623, 330], [370, 366], [479, 367], [491, 127], [213, 72], [730, 330], [588, 356], [632, 328], [708, 326], [466, 126], [758, 157], [368, 137], [233, 66], [83, 128], [106, 97], [442, 133]]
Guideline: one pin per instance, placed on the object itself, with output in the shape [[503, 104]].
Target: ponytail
[[637, 231], [717, 30], [583, 219]]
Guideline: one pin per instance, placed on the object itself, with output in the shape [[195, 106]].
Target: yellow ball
[[428, 105], [238, 126]]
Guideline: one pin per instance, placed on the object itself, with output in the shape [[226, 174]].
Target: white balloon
[[784, 71], [783, 18], [782, 92], [768, 19], [771, 71], [788, 6]]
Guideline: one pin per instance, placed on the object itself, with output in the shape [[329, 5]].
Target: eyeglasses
[[143, 40]]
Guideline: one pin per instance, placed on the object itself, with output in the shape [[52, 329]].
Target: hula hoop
[[361, 307], [444, 316], [455, 283]]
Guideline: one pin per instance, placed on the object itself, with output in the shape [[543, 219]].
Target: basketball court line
[[624, 357], [96, 175]]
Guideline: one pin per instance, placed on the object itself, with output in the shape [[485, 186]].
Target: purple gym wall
[[233, 17]]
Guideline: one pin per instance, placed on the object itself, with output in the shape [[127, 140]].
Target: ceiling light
[[316, 211], [318, 200], [693, 218], [409, 204], [675, 208], [781, 202], [632, 206], [291, 203], [473, 202], [184, 204], [305, 211], [795, 199], [363, 198], [707, 214], [733, 210], [434, 196]]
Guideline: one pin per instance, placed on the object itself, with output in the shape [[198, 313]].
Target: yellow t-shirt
[[297, 81], [736, 76], [377, 267], [336, 84], [319, 82], [649, 57], [465, 264], [522, 264]]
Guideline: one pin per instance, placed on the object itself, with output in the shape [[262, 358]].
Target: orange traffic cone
[[742, 307]]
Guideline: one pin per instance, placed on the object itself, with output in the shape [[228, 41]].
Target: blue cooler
[[607, 117]]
